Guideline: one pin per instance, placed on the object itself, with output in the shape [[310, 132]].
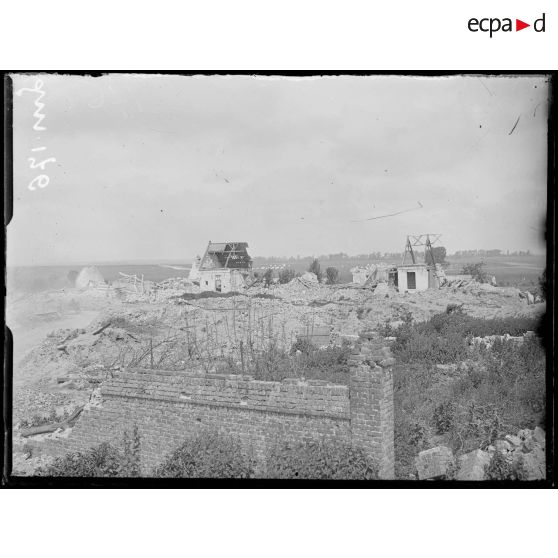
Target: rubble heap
[[515, 457]]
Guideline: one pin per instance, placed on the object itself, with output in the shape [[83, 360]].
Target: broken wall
[[167, 406]]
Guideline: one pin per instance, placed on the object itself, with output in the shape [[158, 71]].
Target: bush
[[304, 345], [476, 270], [500, 392], [319, 460], [104, 460], [500, 468], [332, 275], [267, 277], [543, 285], [443, 338], [207, 454], [330, 363], [316, 269], [439, 253], [444, 417], [286, 275]]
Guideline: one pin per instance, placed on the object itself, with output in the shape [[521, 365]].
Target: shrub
[[319, 460], [439, 253], [444, 416], [286, 275], [304, 345], [500, 468], [543, 285], [330, 363], [316, 269], [267, 277], [476, 270], [454, 308], [104, 460], [207, 454], [443, 338], [332, 275], [499, 392]]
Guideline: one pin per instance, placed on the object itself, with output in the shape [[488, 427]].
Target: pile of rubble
[[472, 286], [530, 298], [489, 340], [520, 457]]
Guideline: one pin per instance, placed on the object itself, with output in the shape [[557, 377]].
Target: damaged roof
[[229, 255]]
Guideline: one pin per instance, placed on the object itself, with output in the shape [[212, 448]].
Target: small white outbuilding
[[412, 278]]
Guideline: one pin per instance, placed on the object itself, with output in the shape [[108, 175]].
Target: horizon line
[[83, 263]]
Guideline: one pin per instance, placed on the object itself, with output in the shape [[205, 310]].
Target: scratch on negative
[[516, 122]]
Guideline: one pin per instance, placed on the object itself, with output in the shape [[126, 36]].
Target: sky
[[153, 167]]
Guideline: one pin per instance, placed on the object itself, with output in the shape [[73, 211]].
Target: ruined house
[[372, 274], [360, 274], [416, 276], [224, 267]]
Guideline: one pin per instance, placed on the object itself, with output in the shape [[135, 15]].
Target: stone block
[[471, 466], [434, 463], [387, 362], [539, 436], [524, 434], [515, 441], [531, 466], [529, 445]]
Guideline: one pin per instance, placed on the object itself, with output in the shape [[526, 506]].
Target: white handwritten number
[[42, 180], [42, 164], [37, 114]]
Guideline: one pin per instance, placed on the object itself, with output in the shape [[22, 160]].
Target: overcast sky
[[152, 167]]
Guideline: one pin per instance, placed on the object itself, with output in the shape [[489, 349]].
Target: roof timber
[[231, 255]]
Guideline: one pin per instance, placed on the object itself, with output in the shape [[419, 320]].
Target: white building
[[224, 267], [360, 274], [412, 278]]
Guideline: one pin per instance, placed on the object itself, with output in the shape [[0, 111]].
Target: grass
[[444, 338], [304, 360], [208, 454], [319, 460], [497, 391], [103, 460]]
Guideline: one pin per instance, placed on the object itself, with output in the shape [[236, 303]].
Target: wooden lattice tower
[[426, 240]]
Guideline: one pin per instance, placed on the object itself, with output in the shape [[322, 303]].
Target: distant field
[[40, 278], [522, 272], [516, 271], [519, 271]]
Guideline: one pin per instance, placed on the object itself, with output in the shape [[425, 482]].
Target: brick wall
[[167, 406]]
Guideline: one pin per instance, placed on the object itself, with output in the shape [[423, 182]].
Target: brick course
[[167, 406]]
